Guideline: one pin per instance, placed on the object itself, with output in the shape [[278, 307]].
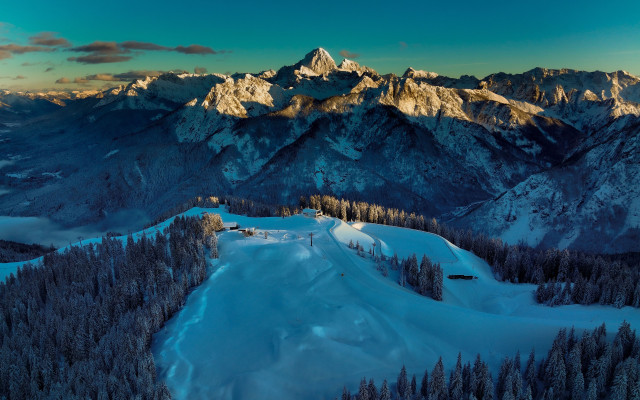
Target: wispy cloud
[[99, 47], [18, 49], [49, 69], [111, 52], [133, 75], [403, 45], [33, 64], [63, 80], [348, 54], [200, 70], [119, 77], [49, 39], [196, 49], [99, 59], [19, 77], [135, 45]]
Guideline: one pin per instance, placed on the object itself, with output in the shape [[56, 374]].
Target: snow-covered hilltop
[[541, 156], [283, 320]]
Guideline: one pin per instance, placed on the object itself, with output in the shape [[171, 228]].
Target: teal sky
[[450, 38]]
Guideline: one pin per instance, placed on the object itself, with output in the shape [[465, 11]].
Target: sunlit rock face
[[547, 156]]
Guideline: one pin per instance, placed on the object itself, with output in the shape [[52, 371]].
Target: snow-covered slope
[[423, 142], [279, 319]]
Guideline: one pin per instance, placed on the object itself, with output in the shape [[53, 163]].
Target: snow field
[[278, 318]]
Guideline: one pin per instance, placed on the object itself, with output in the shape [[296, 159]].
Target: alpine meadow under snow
[[279, 319], [409, 237]]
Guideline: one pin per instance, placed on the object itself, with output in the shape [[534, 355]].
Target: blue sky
[[475, 38]]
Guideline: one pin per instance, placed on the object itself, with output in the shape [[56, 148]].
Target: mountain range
[[547, 157]]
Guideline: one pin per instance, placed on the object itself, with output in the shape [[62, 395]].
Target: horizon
[[88, 49], [116, 83]]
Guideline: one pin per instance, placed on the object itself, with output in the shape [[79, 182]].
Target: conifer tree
[[385, 393], [373, 390], [455, 381], [402, 383], [424, 385], [438, 385], [363, 391]]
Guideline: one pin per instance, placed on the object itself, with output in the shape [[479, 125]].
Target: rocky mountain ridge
[[539, 156]]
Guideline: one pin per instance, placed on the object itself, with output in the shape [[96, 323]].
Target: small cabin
[[465, 277], [311, 212], [230, 226]]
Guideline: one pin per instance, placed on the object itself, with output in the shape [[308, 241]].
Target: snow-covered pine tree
[[620, 384], [424, 384], [413, 387], [363, 391], [438, 283], [402, 384], [577, 387], [394, 262], [413, 269], [385, 393], [438, 385], [424, 276], [455, 380], [373, 390], [346, 395]]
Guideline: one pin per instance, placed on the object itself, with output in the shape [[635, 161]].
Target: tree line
[[586, 367], [79, 324], [427, 278], [562, 276], [14, 251]]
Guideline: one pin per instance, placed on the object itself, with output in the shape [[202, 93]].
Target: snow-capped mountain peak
[[473, 151], [319, 61], [412, 73]]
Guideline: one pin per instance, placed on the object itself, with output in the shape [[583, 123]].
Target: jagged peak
[[270, 73], [349, 65], [413, 73], [319, 61]]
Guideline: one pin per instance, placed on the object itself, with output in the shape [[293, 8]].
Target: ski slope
[[279, 319]]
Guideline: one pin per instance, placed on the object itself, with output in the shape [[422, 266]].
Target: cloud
[[19, 77], [111, 52], [100, 53], [200, 70], [99, 77], [100, 47], [18, 49], [403, 45], [49, 69], [63, 80], [4, 54], [348, 54], [135, 45], [121, 77], [49, 39], [99, 59], [133, 75], [196, 49], [42, 230]]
